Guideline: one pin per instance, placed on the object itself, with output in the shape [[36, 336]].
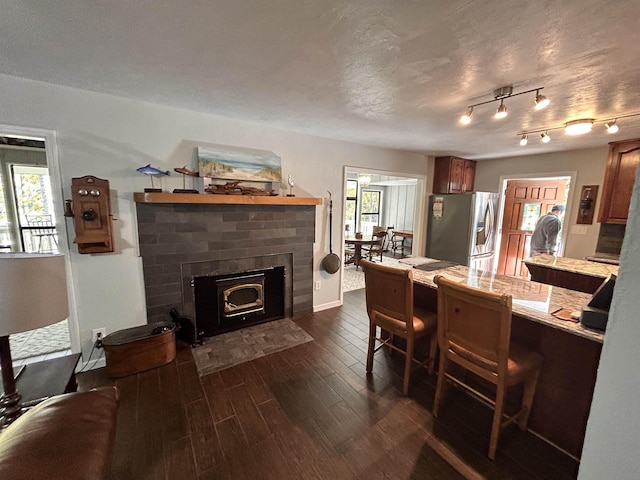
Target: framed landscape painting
[[244, 164]]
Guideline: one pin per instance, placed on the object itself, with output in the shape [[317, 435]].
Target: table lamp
[[33, 294]]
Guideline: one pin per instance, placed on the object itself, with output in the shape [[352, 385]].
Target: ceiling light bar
[[577, 127], [500, 94]]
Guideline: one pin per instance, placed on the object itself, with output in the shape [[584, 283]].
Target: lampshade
[[33, 291]]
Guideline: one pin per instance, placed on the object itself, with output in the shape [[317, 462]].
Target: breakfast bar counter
[[573, 273], [531, 300], [571, 352]]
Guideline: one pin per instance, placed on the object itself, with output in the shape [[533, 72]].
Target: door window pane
[[531, 213]]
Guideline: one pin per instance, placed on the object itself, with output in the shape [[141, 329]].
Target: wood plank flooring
[[310, 412]]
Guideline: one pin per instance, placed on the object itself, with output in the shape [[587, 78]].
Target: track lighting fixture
[[466, 118], [502, 110], [524, 140], [500, 94], [576, 127], [541, 101]]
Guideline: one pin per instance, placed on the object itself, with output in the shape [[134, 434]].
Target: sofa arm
[[67, 437]]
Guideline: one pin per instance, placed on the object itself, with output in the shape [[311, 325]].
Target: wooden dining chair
[[389, 294], [376, 248], [396, 243], [474, 331]]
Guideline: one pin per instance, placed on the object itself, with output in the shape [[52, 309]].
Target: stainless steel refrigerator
[[462, 228]]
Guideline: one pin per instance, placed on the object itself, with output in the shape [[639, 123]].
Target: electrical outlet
[[94, 334], [317, 285], [579, 229]]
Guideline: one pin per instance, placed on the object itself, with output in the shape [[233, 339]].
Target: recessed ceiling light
[[578, 127]]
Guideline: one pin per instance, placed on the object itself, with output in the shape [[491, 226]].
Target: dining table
[[357, 244]]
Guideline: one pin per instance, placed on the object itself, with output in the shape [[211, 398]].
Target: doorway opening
[[377, 205], [28, 223], [525, 199]]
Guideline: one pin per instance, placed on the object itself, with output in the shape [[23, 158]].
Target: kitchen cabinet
[[619, 178], [453, 175]]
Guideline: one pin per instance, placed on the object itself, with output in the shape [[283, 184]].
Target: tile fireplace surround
[[198, 236]]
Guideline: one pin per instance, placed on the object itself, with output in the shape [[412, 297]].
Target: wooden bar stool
[[474, 331], [389, 293]]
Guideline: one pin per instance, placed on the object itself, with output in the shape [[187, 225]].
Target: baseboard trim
[[326, 306]]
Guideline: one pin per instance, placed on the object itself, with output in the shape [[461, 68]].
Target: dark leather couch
[[66, 437]]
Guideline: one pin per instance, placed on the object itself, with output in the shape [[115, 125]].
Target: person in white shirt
[[545, 235]]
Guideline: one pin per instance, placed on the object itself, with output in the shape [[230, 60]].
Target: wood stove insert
[[228, 302]]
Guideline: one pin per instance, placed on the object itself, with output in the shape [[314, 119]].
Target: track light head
[[612, 127], [578, 127], [502, 110], [545, 137], [524, 140], [541, 101], [466, 118]]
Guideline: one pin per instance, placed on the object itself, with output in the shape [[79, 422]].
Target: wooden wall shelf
[[207, 198]]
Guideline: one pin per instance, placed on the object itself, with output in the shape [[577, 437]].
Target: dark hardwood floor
[[310, 412]]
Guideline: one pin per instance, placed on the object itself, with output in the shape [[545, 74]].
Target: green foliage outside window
[[370, 202]]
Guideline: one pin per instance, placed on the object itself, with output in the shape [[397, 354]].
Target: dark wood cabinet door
[[453, 175], [469, 176], [619, 178], [456, 176]]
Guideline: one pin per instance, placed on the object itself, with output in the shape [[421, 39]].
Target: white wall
[[613, 433], [400, 206], [110, 137], [590, 166]]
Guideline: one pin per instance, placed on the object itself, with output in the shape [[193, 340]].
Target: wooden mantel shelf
[[140, 197]]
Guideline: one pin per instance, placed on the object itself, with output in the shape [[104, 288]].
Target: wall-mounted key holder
[[90, 208]]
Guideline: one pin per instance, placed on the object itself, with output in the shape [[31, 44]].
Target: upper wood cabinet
[[619, 178], [453, 175]]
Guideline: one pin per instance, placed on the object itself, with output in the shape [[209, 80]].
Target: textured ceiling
[[386, 73]]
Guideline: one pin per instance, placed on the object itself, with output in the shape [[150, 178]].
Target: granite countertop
[[531, 300], [574, 265]]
